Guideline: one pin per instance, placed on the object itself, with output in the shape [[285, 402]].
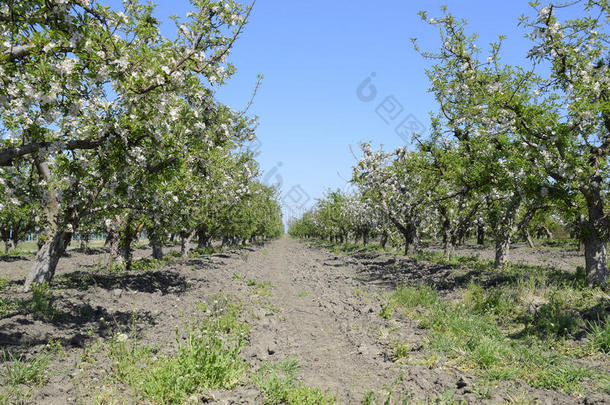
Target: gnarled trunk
[[52, 241], [504, 232], [596, 259], [185, 241], [46, 260]]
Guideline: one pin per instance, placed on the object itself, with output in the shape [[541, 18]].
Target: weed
[[250, 283], [41, 304], [464, 331], [387, 311], [207, 358], [3, 283], [263, 289], [369, 398], [279, 385], [599, 335], [401, 351], [237, 276], [32, 371], [304, 293], [150, 264], [410, 297], [8, 306], [552, 320]]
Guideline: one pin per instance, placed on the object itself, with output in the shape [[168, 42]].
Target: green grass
[[599, 335], [387, 311], [304, 293], [207, 357], [467, 331], [41, 304], [8, 306], [20, 374], [262, 289], [279, 385], [32, 371], [208, 250], [151, 264], [401, 351]]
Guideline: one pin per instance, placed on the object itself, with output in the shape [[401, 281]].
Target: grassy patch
[[401, 351], [304, 293], [599, 335], [468, 331], [20, 374], [41, 304], [262, 289], [279, 385], [387, 311], [32, 371], [207, 357], [150, 264], [8, 306]]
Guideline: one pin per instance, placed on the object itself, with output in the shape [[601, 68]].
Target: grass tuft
[[279, 385], [207, 357]]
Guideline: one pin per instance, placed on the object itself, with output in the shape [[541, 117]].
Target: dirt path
[[326, 316]]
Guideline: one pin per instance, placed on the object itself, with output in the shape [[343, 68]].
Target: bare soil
[[323, 309]]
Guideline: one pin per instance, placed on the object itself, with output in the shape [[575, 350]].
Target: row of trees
[[108, 125], [509, 147]]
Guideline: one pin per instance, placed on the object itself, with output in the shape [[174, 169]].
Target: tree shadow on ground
[[91, 251], [74, 325], [147, 281], [391, 271], [11, 258]]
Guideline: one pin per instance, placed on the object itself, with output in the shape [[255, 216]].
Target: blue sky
[[315, 54]]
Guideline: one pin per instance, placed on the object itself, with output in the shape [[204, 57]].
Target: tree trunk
[[84, 242], [528, 238], [504, 232], [155, 244], [447, 238], [596, 262], [126, 241], [185, 240], [51, 241], [596, 259], [384, 239], [46, 260], [502, 248], [118, 241], [481, 234], [8, 245], [448, 248], [365, 238]]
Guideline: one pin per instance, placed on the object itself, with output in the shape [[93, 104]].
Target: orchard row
[[108, 126], [511, 148]]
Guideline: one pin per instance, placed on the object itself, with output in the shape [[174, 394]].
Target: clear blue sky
[[314, 55]]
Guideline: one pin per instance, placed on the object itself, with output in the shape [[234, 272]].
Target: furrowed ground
[[296, 322]]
